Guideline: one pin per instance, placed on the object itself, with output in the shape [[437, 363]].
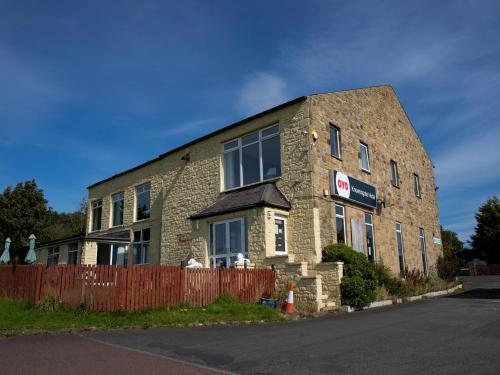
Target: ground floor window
[[141, 246], [280, 235], [72, 253], [401, 251], [53, 256], [423, 249], [370, 240], [111, 254], [340, 223], [228, 239]]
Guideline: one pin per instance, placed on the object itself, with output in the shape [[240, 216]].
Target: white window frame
[[239, 146], [114, 199], [213, 256], [394, 173], [423, 250], [416, 185], [71, 251], [343, 219], [364, 146], [373, 235], [400, 231], [276, 217], [97, 203], [52, 252], [336, 140], [144, 256], [137, 193]]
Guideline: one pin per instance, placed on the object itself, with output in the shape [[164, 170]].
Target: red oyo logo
[[342, 184]]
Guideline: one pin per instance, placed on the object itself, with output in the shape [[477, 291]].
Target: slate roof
[[262, 195]]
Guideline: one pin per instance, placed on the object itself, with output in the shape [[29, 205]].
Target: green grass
[[17, 316]]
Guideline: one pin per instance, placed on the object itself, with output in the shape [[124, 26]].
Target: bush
[[448, 266], [394, 285], [359, 283]]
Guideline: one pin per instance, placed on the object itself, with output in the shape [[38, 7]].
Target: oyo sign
[[352, 189]]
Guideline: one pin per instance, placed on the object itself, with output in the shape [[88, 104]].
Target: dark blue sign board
[[352, 189]]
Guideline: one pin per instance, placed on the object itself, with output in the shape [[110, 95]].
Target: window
[[423, 249], [118, 203], [370, 241], [111, 254], [335, 141], [228, 239], [363, 157], [340, 223], [252, 158], [394, 173], [401, 251], [416, 185], [53, 256], [140, 246], [143, 201], [280, 235], [72, 253], [96, 215]]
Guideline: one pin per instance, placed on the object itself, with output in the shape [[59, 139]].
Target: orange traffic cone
[[289, 308]]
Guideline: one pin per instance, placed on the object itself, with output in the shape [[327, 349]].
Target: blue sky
[[91, 88]]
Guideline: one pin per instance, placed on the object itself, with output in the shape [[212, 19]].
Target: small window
[[394, 173], [401, 250], [370, 241], [340, 223], [96, 215], [118, 200], [280, 235], [141, 246], [335, 141], [143, 201], [53, 256], [363, 157], [423, 250], [72, 253], [416, 185]]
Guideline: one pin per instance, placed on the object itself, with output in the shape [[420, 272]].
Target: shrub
[[359, 282], [448, 266]]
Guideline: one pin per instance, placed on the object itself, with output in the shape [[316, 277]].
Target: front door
[[228, 239]]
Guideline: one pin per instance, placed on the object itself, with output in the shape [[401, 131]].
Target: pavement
[[457, 334]]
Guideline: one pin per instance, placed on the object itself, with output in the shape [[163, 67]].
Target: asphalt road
[[453, 335]]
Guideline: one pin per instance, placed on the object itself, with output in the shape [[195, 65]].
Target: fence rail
[[113, 288], [490, 269]]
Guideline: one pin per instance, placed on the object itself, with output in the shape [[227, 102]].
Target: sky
[[91, 88]]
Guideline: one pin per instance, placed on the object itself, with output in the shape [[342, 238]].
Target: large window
[[53, 256], [252, 158], [423, 250], [280, 235], [111, 254], [401, 250], [340, 223], [143, 201], [335, 141], [72, 253], [416, 185], [228, 239], [96, 215], [394, 173], [364, 160], [118, 204], [141, 246], [370, 240]]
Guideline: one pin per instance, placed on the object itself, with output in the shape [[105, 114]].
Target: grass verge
[[18, 317]]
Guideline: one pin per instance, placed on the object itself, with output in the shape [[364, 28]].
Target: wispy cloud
[[195, 127], [260, 92]]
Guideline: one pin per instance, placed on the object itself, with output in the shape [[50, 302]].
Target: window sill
[[252, 184], [367, 171], [117, 226], [142, 220], [396, 186], [336, 157]]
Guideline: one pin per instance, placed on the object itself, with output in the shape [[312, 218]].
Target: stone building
[[345, 166]]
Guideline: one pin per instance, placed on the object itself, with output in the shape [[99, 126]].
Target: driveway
[[452, 335]]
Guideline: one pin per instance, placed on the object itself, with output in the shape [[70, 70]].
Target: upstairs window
[[416, 185], [252, 158], [118, 203], [394, 173], [96, 215], [335, 141], [143, 201], [363, 157]]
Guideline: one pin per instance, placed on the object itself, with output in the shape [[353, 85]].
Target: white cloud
[[261, 92]]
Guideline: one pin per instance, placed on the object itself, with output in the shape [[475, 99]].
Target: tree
[[451, 243], [448, 265], [486, 239]]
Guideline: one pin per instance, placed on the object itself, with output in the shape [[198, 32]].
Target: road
[[452, 335]]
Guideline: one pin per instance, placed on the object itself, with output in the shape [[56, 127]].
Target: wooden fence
[[112, 288], [490, 269]]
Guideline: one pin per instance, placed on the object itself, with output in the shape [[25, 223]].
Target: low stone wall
[[331, 274]]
